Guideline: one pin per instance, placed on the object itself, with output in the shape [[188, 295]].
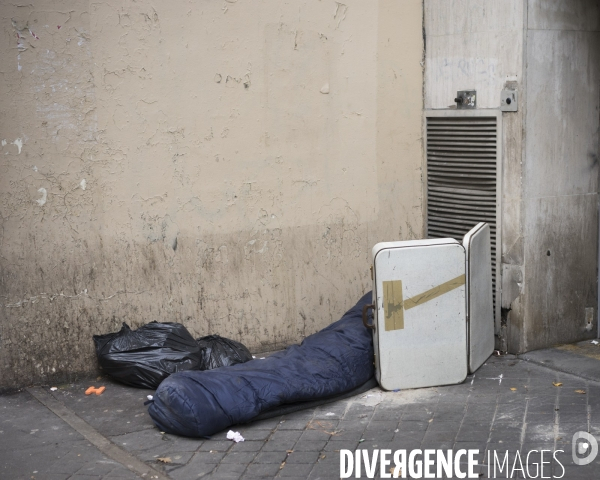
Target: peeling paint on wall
[[42, 201], [19, 144], [340, 13]]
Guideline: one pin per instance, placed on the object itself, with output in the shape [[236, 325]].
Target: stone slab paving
[[581, 359], [509, 405], [36, 444]]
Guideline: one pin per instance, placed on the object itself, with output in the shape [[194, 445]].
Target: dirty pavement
[[532, 402]]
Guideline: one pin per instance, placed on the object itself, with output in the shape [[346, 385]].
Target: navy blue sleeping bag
[[335, 360]]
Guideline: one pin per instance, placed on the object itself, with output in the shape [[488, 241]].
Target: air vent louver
[[462, 178]]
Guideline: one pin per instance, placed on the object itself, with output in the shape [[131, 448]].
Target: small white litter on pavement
[[149, 397], [53, 389], [595, 342], [371, 399], [330, 414], [235, 436]]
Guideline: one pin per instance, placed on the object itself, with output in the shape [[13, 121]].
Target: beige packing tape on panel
[[394, 304]]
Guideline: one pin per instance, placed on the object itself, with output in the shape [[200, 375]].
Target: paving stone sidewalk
[[509, 404]]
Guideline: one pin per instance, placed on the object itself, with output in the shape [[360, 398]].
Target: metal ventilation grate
[[462, 178]]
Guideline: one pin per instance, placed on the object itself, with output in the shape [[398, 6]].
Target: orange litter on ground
[[95, 390]]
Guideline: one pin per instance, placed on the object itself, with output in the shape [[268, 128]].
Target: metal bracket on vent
[[466, 99], [509, 101]]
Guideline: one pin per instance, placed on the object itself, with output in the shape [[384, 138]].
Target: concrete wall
[[472, 44], [483, 50], [560, 177], [550, 52], [227, 165]]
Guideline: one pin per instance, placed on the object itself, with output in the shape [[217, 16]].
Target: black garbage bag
[[145, 357], [221, 352]]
